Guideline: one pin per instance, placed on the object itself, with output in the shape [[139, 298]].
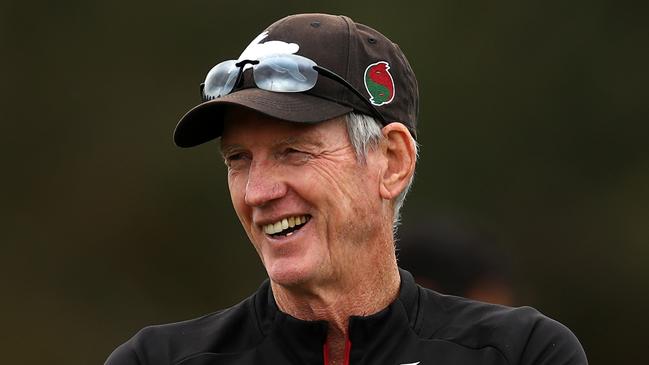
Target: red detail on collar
[[348, 349], [325, 352]]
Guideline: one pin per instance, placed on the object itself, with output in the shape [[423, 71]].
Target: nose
[[264, 184]]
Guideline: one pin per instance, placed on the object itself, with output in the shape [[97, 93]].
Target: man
[[317, 121]]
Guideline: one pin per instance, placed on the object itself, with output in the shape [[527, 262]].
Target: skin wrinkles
[[307, 143], [323, 169], [342, 261], [293, 150]]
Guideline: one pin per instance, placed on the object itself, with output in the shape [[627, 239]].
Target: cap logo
[[379, 83], [257, 50]]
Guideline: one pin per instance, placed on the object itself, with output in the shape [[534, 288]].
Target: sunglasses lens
[[221, 79], [285, 73]]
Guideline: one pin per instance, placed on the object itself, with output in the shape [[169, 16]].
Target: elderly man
[[317, 124]]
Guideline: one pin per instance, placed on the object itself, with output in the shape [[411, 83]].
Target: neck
[[363, 291]]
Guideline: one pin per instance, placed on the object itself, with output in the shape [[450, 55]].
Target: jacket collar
[[311, 335]]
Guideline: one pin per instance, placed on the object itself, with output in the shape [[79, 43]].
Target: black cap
[[366, 59]]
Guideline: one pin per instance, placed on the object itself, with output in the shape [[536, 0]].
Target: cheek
[[344, 179], [349, 193], [361, 203], [236, 185], [362, 188], [243, 211]]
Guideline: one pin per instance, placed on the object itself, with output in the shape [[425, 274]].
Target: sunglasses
[[287, 73]]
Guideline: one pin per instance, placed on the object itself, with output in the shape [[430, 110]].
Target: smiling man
[[317, 126]]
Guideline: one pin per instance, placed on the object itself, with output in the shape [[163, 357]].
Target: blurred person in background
[[452, 260], [317, 120]]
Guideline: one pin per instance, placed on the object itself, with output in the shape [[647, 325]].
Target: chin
[[288, 275]]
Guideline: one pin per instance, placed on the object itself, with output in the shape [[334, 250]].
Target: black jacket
[[420, 327]]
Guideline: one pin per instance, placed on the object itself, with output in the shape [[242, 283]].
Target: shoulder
[[522, 335], [231, 329]]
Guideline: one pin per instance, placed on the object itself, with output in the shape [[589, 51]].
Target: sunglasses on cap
[[286, 73]]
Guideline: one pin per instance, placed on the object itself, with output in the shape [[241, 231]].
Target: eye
[[236, 161], [234, 157], [294, 156]]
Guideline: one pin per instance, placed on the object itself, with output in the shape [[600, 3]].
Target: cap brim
[[205, 121]]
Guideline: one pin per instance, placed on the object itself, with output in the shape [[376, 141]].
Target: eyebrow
[[308, 140], [226, 150], [292, 140]]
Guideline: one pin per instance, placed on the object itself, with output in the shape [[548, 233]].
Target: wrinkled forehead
[[246, 126]]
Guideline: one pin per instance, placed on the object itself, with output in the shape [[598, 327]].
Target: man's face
[[306, 177]]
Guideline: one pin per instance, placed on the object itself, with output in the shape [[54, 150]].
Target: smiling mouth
[[286, 226]]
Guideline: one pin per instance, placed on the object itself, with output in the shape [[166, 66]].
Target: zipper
[[348, 349], [325, 352]]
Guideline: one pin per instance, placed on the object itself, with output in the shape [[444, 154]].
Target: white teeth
[[284, 224]]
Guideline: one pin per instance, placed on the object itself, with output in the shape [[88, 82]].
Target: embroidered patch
[[379, 83]]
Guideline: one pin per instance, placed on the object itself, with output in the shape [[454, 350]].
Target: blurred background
[[533, 131]]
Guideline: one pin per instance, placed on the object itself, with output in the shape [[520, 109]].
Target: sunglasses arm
[[332, 75]]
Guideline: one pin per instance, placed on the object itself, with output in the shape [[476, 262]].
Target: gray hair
[[365, 135]]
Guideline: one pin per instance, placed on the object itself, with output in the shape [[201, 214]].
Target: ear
[[399, 151]]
